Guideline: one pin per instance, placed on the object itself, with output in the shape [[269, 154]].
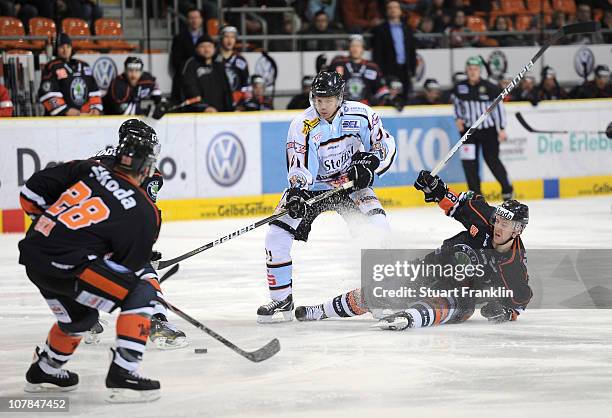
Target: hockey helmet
[[140, 129], [514, 211], [136, 155]]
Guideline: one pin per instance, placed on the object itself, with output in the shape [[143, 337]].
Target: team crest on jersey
[[309, 125], [355, 87], [350, 125], [78, 91], [473, 230], [152, 189]]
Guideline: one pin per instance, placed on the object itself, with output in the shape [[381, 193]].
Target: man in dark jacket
[[183, 47], [597, 88], [393, 47], [204, 77]]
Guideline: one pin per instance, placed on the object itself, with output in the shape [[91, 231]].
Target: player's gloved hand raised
[[432, 186], [361, 170], [156, 255], [296, 202], [496, 312]]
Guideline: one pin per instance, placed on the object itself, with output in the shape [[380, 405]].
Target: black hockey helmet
[[133, 63], [140, 129], [328, 84], [136, 154], [514, 211]]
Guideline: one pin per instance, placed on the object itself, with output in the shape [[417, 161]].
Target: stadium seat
[[78, 27], [565, 6], [477, 24], [11, 26], [212, 27], [537, 6], [524, 22], [112, 27], [512, 7], [42, 26]]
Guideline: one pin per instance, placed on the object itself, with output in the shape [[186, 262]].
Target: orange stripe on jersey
[[104, 284], [477, 213], [61, 342], [94, 100], [155, 284], [29, 207], [133, 326], [53, 103]]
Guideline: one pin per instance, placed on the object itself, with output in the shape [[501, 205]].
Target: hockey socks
[[345, 305]]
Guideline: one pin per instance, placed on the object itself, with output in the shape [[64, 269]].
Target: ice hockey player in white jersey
[[330, 143]]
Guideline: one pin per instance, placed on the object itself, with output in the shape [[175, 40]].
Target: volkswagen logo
[[226, 159], [584, 61], [104, 71]]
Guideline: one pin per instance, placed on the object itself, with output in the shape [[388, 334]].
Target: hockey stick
[[574, 28], [165, 263], [528, 127], [256, 356], [169, 273], [185, 103]]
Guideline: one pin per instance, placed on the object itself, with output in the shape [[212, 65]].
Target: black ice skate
[[165, 335], [125, 386], [397, 322], [310, 313], [276, 311], [45, 375]]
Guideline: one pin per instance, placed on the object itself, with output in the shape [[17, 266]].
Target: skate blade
[[132, 396], [162, 343], [286, 316], [397, 324], [47, 387], [91, 339]]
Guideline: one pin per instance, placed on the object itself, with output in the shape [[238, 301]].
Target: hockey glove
[[160, 110], [432, 186], [361, 170], [296, 202], [156, 255], [496, 312]]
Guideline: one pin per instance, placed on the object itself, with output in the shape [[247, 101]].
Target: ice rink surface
[[550, 363]]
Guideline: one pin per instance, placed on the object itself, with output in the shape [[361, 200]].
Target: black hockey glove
[[361, 170], [496, 312], [161, 109], [432, 186], [156, 255], [296, 202]]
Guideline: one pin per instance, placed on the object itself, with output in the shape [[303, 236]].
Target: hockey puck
[[200, 351]]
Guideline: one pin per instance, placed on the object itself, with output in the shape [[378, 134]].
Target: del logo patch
[[350, 125]]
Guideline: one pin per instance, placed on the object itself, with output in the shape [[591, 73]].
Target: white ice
[[550, 363]]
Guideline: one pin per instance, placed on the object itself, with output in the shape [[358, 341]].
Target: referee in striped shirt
[[470, 99]]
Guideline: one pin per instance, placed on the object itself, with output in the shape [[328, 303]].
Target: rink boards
[[233, 165]]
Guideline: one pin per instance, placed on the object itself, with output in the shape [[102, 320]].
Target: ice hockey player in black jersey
[[164, 334], [491, 239], [134, 92], [86, 251], [67, 86]]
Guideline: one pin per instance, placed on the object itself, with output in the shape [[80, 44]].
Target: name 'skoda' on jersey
[[86, 211], [320, 152]]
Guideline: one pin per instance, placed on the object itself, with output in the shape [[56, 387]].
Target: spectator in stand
[[597, 88], [583, 14], [456, 5], [432, 94], [183, 48], [606, 23], [204, 77], [549, 88], [87, 10], [558, 21], [436, 10], [135, 92], [525, 91], [395, 96], [256, 99], [23, 10], [364, 82], [327, 6], [501, 25], [274, 21], [6, 105], [360, 15], [427, 39], [456, 28], [302, 100], [394, 47], [67, 86], [236, 67], [320, 26]]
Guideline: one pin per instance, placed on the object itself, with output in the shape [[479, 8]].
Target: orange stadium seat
[[477, 24], [78, 27], [524, 22], [537, 6], [11, 26], [42, 26], [565, 6], [513, 7], [112, 27], [212, 27], [598, 14]]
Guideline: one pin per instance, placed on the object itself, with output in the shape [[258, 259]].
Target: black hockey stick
[[574, 28], [165, 263], [169, 273], [528, 127], [256, 356]]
